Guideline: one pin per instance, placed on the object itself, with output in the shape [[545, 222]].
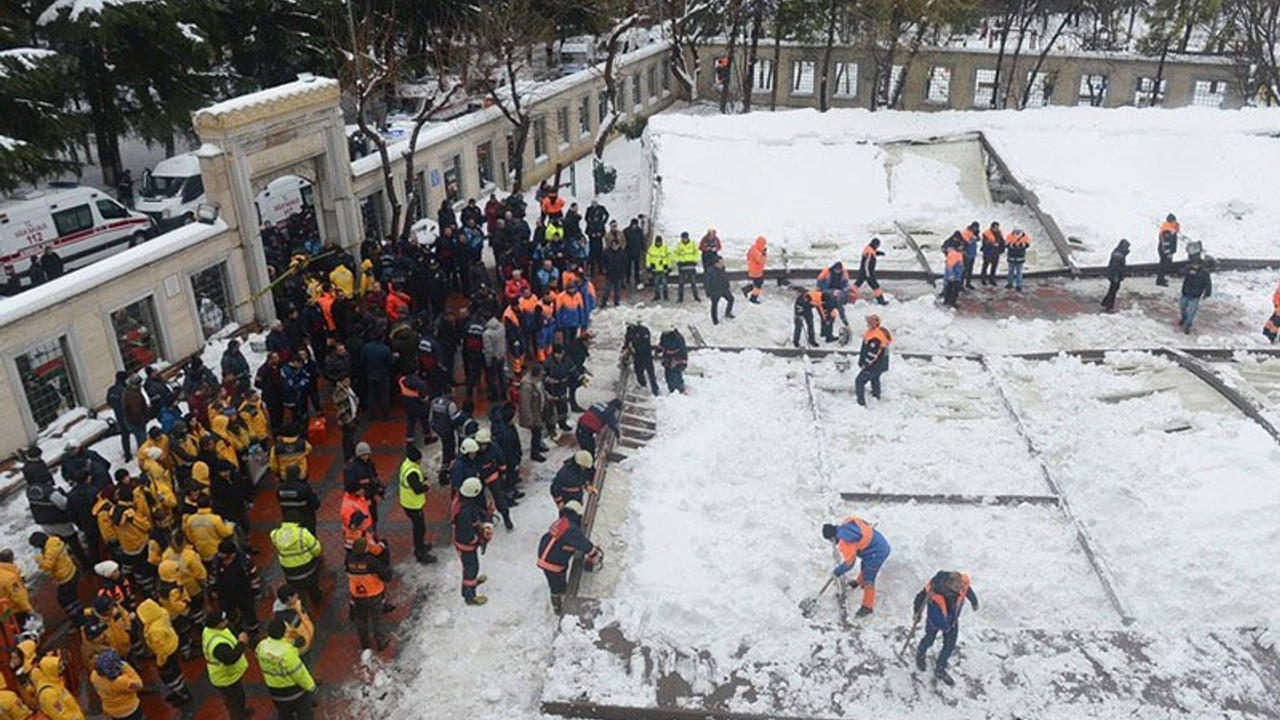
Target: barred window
[[1093, 90], [46, 374], [371, 215], [938, 90], [802, 72], [484, 163], [1147, 94], [212, 290], [984, 88], [1209, 93], [137, 334], [846, 80], [763, 81], [584, 115]]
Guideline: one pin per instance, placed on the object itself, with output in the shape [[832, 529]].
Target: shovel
[[807, 605]]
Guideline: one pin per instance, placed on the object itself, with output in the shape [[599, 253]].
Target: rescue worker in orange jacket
[[867, 271], [992, 249], [559, 544], [858, 540], [944, 596], [1167, 247], [756, 258], [1272, 329], [953, 276], [873, 358], [366, 582]]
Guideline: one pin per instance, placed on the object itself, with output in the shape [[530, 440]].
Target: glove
[[486, 531], [841, 569]]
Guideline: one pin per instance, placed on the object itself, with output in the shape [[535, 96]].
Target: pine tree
[[36, 132], [140, 67]]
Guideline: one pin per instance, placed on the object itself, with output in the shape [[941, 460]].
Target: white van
[[81, 224], [173, 189], [283, 198]]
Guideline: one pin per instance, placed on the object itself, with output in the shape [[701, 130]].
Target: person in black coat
[[716, 281], [157, 388], [634, 235], [51, 263], [80, 501], [235, 580], [298, 500], [379, 365], [1115, 274], [559, 545], [115, 400], [363, 473], [639, 344], [561, 380], [507, 438], [1196, 285], [615, 264], [233, 362], [675, 356]]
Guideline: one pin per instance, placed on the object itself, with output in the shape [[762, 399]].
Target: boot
[[565, 426], [506, 520], [729, 315], [557, 603], [944, 677], [881, 301], [537, 457], [755, 299], [863, 611], [482, 579], [478, 600], [920, 662]]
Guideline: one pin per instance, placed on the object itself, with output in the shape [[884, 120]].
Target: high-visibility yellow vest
[[295, 545], [409, 499], [222, 675]]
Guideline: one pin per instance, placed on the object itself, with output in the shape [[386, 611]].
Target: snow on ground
[[805, 179], [1173, 482]]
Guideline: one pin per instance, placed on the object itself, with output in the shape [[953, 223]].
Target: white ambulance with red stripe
[[81, 224]]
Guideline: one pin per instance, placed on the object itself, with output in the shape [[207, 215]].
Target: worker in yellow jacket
[[55, 560], [13, 707], [286, 676], [118, 685], [205, 529], [52, 696], [162, 640], [13, 588]]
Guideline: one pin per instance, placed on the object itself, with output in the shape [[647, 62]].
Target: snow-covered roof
[[43, 297], [242, 109], [539, 92]]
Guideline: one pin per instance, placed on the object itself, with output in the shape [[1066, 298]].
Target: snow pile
[[804, 178]]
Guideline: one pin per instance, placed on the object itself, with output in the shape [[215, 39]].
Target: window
[[763, 76], [584, 116], [1147, 94], [562, 124], [111, 210], [137, 334], [193, 189], [846, 80], [984, 88], [653, 82], [665, 74], [938, 89], [453, 178], [636, 90], [213, 299], [1041, 90], [371, 211], [1093, 90], [484, 163], [1209, 93], [540, 137], [802, 77], [73, 220], [602, 103], [418, 209], [895, 79], [46, 374]]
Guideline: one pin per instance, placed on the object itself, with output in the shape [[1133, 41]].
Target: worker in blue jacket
[[559, 544], [944, 597], [857, 540]]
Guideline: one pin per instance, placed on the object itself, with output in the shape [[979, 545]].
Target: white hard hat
[[584, 459], [484, 436], [471, 487], [574, 507], [107, 568], [470, 445]]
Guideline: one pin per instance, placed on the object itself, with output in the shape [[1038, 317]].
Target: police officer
[[298, 500], [559, 544], [873, 358], [446, 418], [224, 655], [944, 596], [413, 497]]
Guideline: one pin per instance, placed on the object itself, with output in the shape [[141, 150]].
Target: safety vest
[[281, 666], [409, 499], [222, 675], [941, 602], [407, 390], [554, 533], [295, 545], [851, 550]]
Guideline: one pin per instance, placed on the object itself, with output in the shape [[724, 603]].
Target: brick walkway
[[336, 649]]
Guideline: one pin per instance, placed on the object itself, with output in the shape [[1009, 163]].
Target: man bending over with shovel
[[856, 539]]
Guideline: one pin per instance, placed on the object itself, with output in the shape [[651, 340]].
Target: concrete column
[[255, 259]]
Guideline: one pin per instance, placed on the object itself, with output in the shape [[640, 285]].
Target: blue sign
[[435, 178]]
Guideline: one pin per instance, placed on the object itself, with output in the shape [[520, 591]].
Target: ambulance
[[81, 224]]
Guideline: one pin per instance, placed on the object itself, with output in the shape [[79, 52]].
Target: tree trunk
[[748, 81], [735, 28], [826, 56], [103, 113], [777, 65], [1013, 63], [516, 158], [1006, 21], [1157, 97], [1044, 52]]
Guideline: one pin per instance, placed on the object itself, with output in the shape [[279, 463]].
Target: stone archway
[[248, 141]]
